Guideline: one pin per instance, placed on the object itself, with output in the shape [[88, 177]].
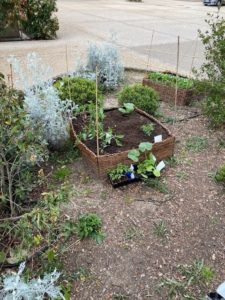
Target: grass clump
[[171, 79], [196, 143], [142, 97]]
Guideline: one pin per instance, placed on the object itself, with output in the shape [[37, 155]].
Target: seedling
[[127, 108], [182, 175], [148, 165], [118, 172], [157, 184], [147, 129]]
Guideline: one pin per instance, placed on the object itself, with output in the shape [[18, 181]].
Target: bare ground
[[132, 260]]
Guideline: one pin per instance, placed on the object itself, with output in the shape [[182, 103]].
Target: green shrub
[[80, 90], [212, 73], [220, 174], [171, 79], [89, 225], [21, 149], [40, 22], [142, 97]]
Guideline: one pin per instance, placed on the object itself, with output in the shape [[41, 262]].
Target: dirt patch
[[128, 126], [133, 259]]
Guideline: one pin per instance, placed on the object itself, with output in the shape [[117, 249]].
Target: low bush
[[34, 17], [21, 149], [171, 79], [142, 97], [80, 90], [211, 77], [40, 22]]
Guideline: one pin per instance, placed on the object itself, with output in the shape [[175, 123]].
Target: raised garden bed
[[166, 87], [129, 126]]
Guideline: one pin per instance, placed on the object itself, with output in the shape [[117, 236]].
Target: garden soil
[[133, 259]]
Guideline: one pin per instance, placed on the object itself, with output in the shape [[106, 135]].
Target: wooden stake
[[177, 69], [11, 76], [149, 52], [96, 106], [67, 71]]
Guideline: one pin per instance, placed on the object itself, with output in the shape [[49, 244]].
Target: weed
[[120, 296], [89, 225], [221, 143], [169, 120], [61, 173], [220, 174], [182, 175], [196, 143], [172, 161], [81, 274], [147, 128], [197, 274], [130, 233], [158, 184], [160, 229], [68, 228]]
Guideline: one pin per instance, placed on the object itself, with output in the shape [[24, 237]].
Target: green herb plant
[[220, 174], [89, 225], [127, 108], [147, 129], [147, 165], [171, 79], [118, 172]]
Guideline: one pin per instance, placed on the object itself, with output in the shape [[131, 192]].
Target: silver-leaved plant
[[15, 288]]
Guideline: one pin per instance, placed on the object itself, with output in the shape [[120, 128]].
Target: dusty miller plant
[[15, 288], [212, 72], [41, 100], [107, 59]]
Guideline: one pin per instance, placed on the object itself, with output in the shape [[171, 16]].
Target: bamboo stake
[[11, 76], [67, 71], [177, 69], [193, 57], [96, 106], [149, 51]]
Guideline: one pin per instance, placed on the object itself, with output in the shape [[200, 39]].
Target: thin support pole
[[11, 76], [177, 69], [193, 57], [149, 52], [67, 72], [96, 106]]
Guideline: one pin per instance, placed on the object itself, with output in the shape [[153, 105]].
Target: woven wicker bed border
[[100, 165], [167, 93]]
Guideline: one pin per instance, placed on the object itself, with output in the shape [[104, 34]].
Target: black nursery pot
[[123, 181]]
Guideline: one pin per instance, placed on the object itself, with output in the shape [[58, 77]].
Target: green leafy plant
[[220, 174], [62, 173], [127, 108], [80, 90], [147, 128], [107, 137], [147, 165], [142, 97], [118, 172], [171, 79], [196, 143], [158, 184], [69, 228], [211, 77], [89, 225]]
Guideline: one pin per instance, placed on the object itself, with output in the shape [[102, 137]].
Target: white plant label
[[160, 166], [158, 138]]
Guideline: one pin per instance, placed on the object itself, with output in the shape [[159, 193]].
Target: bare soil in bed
[[128, 126]]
